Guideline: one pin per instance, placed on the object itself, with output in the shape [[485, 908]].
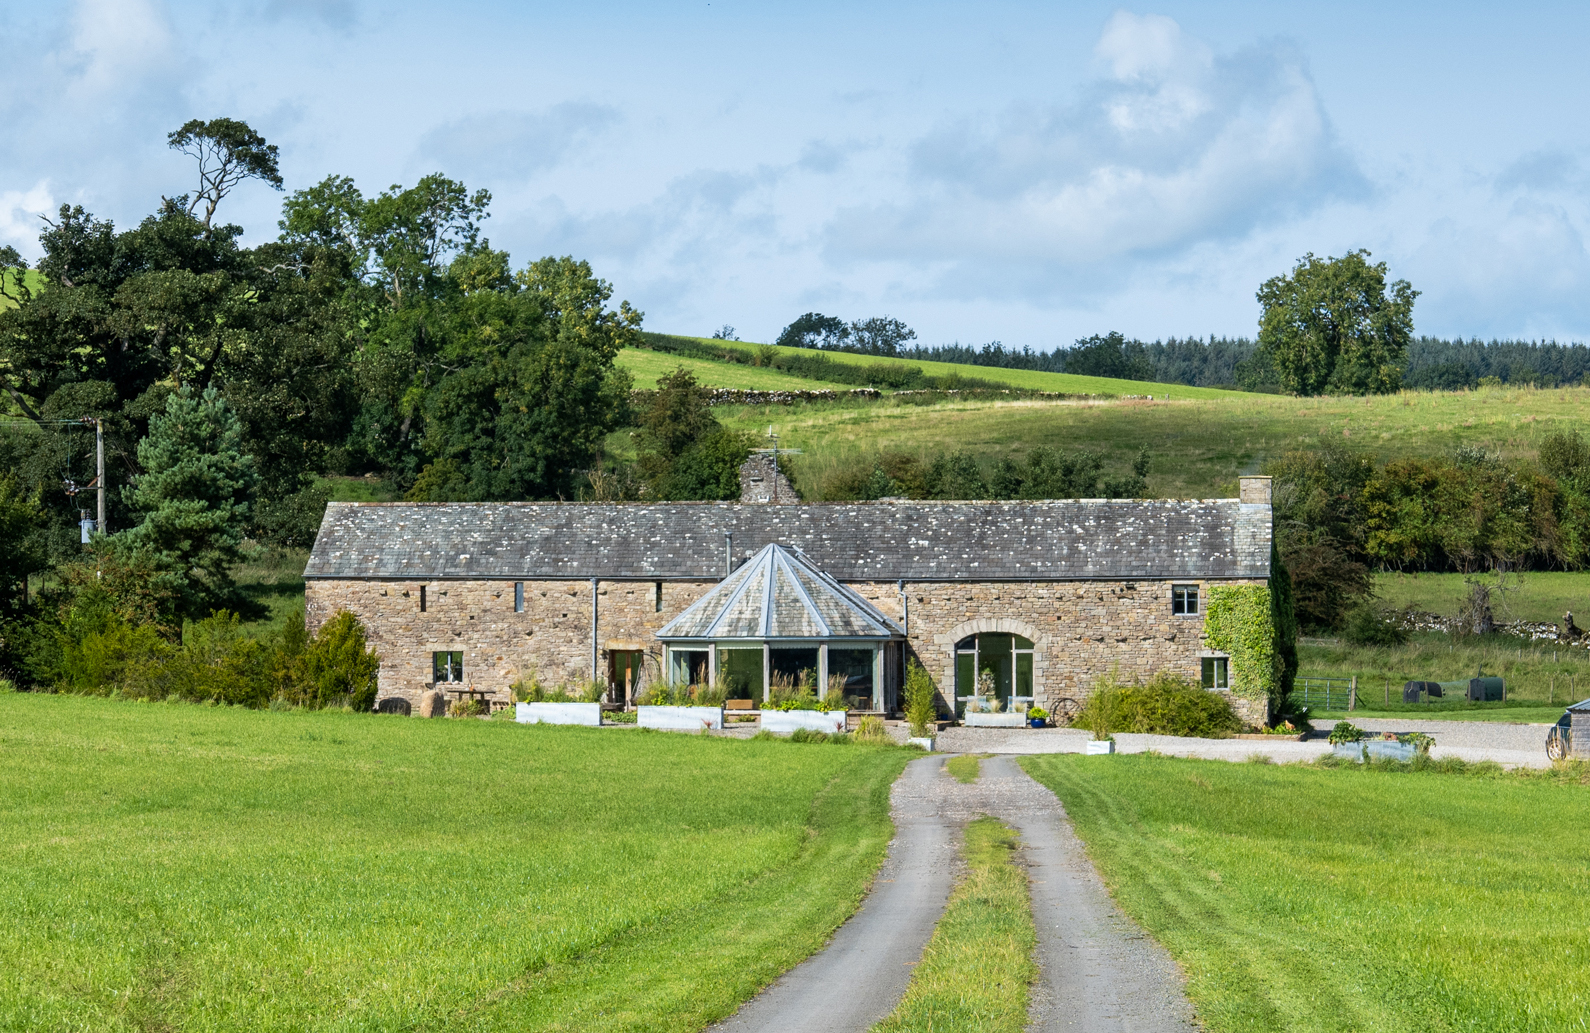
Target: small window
[[422, 598], [1215, 672], [657, 606], [518, 597], [1184, 599], [447, 667]]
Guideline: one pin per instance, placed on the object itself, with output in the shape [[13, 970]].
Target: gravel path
[[1508, 744], [858, 978], [1099, 971]]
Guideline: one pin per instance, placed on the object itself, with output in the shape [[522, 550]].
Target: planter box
[[558, 713], [925, 742], [974, 720], [1099, 749], [1377, 749], [685, 719], [786, 721]]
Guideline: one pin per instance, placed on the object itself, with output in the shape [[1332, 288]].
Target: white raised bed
[[786, 721], [689, 719], [558, 713], [976, 720], [926, 742], [1098, 748]]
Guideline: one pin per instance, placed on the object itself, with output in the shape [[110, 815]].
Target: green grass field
[[1534, 672], [1199, 447], [169, 866], [646, 366], [1031, 380], [33, 281], [1541, 596], [1307, 899], [975, 972]]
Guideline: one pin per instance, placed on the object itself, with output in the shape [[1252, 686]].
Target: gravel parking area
[[1508, 744]]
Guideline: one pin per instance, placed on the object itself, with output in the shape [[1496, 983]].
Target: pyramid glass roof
[[779, 594]]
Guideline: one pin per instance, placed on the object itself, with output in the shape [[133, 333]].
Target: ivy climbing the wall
[[1239, 623]]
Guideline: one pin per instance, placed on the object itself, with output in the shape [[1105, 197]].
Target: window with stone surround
[[1217, 672], [518, 597], [422, 598], [657, 602], [1184, 600], [447, 666]]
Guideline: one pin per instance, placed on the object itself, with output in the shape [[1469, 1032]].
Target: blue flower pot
[[1037, 722]]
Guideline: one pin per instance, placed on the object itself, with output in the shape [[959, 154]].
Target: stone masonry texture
[[960, 569]]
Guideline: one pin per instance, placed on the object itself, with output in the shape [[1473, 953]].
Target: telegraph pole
[[99, 472]]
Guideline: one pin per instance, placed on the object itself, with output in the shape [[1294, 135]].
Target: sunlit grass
[[1302, 899], [1199, 447], [975, 973], [184, 867], [647, 366], [1539, 596], [1538, 671]]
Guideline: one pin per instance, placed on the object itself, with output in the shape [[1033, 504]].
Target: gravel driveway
[[1098, 970], [1511, 745]]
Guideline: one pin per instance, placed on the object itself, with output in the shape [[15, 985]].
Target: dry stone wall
[[1081, 630]]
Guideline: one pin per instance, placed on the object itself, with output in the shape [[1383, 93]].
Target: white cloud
[[514, 145], [1172, 147], [19, 216], [114, 41]]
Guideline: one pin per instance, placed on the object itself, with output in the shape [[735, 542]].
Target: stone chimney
[[758, 478], [1253, 491]]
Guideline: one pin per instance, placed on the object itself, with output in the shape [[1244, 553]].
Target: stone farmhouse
[[1037, 599]]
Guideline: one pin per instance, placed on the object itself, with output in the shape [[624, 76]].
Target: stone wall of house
[[551, 639], [1080, 630]]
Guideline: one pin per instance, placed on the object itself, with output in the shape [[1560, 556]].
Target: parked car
[[1559, 741]]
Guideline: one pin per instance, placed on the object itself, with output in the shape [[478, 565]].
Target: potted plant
[[793, 705], [535, 704], [1037, 717], [921, 708], [681, 708], [1102, 742]]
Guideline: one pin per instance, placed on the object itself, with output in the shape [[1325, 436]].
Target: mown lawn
[[1307, 899], [1199, 446], [180, 867]]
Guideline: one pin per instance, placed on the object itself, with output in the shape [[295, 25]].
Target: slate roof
[[917, 541], [779, 594]]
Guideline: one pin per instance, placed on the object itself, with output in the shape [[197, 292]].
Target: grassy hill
[[646, 366], [1199, 445], [34, 282], [1030, 380]]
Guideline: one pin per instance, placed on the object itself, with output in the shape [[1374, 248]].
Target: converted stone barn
[[1035, 599]]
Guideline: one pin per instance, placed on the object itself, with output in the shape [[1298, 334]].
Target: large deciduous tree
[[228, 152], [1334, 326]]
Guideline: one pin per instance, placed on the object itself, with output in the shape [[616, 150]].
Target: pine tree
[[195, 492]]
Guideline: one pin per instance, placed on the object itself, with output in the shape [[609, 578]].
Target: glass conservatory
[[779, 619]]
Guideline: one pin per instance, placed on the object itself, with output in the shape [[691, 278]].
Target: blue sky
[[1031, 173]]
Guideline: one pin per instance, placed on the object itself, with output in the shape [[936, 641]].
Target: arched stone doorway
[[1009, 656]]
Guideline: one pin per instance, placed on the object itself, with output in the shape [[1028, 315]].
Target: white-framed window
[[1184, 600], [1217, 672], [447, 666]]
